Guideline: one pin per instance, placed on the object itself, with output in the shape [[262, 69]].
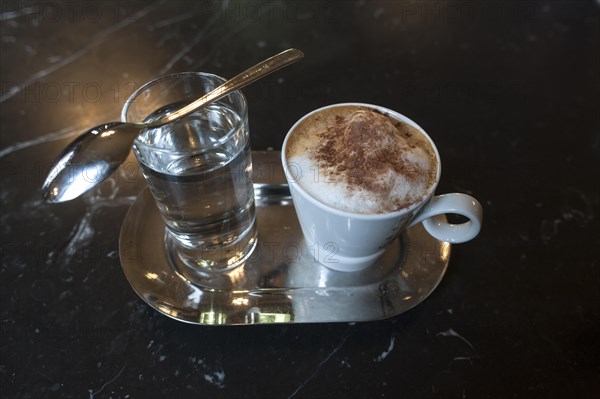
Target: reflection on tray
[[281, 282]]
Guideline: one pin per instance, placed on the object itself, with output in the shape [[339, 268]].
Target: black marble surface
[[508, 90]]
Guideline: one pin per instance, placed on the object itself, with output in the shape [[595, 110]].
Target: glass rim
[[130, 100]]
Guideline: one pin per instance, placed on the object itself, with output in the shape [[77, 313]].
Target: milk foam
[[394, 188]]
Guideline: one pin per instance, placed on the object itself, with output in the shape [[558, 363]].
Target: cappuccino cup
[[359, 174]]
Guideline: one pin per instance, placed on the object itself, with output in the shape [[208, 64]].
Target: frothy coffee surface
[[360, 160]]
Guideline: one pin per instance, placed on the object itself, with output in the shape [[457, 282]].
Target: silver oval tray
[[281, 282]]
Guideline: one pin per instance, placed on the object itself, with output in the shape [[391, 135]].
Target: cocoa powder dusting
[[360, 148]]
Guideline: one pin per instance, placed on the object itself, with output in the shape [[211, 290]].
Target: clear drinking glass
[[198, 169]]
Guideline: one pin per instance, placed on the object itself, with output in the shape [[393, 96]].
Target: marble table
[[508, 90]]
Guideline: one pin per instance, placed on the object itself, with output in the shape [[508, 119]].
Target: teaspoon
[[96, 154]]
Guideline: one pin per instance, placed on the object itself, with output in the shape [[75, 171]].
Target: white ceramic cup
[[347, 241]]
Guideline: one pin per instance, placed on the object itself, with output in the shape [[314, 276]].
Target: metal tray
[[281, 282]]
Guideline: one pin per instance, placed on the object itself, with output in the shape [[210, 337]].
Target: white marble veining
[[214, 375], [190, 45], [389, 350], [8, 15], [107, 383], [171, 21], [451, 333], [43, 138], [321, 363], [216, 378], [95, 40]]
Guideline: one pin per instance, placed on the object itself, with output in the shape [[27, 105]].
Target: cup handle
[[438, 227]]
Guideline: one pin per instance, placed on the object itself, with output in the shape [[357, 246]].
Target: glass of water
[[198, 169]]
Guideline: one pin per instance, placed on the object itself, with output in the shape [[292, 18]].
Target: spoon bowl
[[85, 163], [96, 154]]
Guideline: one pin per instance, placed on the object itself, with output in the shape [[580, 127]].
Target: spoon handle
[[250, 75]]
